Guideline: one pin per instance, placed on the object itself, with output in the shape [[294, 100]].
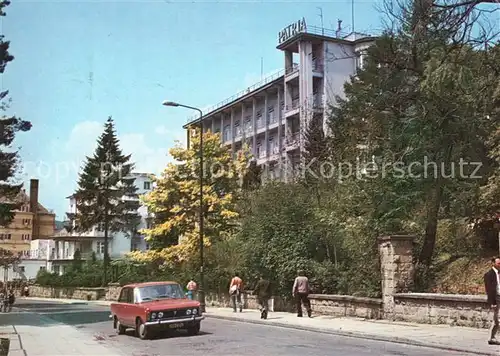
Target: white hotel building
[[271, 116]]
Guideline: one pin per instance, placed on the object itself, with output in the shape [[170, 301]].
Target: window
[[5, 236], [27, 222], [248, 124], [270, 115], [237, 129], [147, 185], [126, 295], [227, 132], [43, 268], [22, 268], [25, 237], [134, 247], [166, 291], [100, 248], [100, 227]]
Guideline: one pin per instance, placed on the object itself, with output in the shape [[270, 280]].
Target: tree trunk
[[433, 206], [106, 255]]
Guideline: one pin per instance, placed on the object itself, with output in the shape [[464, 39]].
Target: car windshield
[[161, 291]]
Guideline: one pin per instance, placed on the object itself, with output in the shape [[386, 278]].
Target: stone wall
[[67, 293], [346, 305], [451, 309]]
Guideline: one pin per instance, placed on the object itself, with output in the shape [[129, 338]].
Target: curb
[[358, 335]]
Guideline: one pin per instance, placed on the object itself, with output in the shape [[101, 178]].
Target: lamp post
[[201, 292]]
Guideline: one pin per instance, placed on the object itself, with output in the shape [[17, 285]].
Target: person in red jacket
[[492, 287]]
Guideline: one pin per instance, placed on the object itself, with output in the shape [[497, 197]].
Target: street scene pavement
[[60, 328]]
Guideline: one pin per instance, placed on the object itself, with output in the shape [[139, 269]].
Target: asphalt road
[[218, 337]]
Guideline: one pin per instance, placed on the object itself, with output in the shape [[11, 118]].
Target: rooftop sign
[[292, 30]]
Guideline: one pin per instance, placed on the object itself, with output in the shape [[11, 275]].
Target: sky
[[79, 62]]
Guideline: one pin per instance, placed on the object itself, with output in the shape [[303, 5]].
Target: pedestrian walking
[[5, 301], [263, 292], [235, 290], [492, 286], [301, 292], [11, 299], [191, 288]]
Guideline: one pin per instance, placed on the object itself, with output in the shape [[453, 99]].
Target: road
[[218, 337]]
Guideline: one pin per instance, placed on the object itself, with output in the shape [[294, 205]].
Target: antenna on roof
[[321, 18], [352, 14], [261, 68]]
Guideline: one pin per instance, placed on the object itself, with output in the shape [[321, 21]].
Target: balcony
[[260, 123], [70, 256], [292, 108], [237, 133], [292, 140], [261, 153], [317, 102], [292, 70], [318, 67]]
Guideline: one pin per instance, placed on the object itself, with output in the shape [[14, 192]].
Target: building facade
[[60, 250], [270, 118], [31, 221]]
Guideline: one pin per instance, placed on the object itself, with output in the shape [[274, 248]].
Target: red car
[[153, 307]]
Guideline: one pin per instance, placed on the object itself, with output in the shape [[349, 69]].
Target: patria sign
[[292, 30]]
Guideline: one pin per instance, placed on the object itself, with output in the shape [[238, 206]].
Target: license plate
[[176, 326]]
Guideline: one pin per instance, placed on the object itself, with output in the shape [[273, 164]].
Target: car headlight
[[160, 315], [195, 311], [188, 312], [153, 315]]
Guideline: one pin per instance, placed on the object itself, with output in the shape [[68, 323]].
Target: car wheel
[[120, 329], [141, 330], [194, 330]]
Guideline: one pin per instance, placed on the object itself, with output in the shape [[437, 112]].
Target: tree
[[9, 126], [106, 194], [315, 156], [175, 200], [7, 260], [424, 95]]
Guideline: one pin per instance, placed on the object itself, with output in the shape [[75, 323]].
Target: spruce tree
[[106, 192], [9, 126], [315, 153]]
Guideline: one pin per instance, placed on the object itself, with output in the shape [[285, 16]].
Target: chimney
[[34, 208]]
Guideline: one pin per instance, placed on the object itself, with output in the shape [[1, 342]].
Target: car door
[[124, 306]]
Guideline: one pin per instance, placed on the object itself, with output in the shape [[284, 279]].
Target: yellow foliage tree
[[174, 201]]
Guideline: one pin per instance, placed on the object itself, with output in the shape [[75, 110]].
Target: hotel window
[[26, 221], [260, 122], [237, 129], [147, 185], [248, 124], [5, 236], [25, 237], [227, 132], [270, 115], [100, 248]]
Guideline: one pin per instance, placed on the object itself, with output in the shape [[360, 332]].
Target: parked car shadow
[[167, 334]]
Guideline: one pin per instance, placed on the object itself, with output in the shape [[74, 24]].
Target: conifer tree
[[315, 153], [106, 192], [9, 126]]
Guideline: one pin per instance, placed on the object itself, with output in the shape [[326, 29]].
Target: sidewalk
[[34, 335], [443, 337]]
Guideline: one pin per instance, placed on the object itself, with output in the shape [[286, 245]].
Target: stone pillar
[[396, 264]]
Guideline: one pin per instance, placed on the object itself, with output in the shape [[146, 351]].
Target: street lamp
[[201, 292]]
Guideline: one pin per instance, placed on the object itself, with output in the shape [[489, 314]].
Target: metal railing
[[294, 68], [240, 94], [318, 66], [294, 105], [292, 138]]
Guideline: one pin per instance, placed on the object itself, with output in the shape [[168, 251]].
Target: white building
[[271, 116], [60, 251]]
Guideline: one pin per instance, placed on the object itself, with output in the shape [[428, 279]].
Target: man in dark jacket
[[492, 286], [263, 292]]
